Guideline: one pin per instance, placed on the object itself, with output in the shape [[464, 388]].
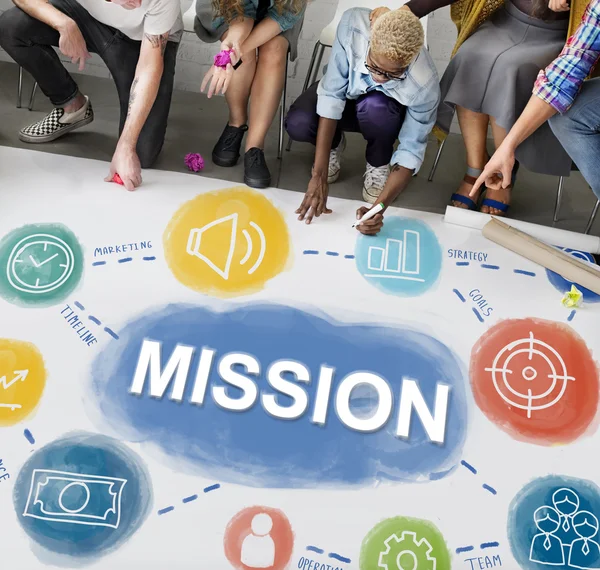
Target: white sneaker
[[57, 123], [335, 157], [375, 179]]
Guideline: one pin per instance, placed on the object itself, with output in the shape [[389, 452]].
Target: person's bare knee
[[274, 52]]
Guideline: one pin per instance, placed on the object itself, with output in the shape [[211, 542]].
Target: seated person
[[137, 43], [572, 104], [501, 47], [271, 27], [381, 83]]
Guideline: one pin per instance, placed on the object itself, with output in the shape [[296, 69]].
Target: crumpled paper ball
[[223, 58], [194, 161]]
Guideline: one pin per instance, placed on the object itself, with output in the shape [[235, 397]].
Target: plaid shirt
[[560, 83]]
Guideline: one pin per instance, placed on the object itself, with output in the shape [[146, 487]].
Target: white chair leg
[[309, 74], [19, 87], [559, 195], [436, 161], [282, 112], [33, 92], [592, 217]]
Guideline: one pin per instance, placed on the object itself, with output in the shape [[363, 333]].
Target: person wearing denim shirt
[[261, 33], [571, 104], [381, 83]]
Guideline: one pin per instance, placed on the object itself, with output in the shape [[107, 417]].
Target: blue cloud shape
[[256, 449]]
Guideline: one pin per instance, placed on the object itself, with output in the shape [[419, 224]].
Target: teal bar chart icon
[[405, 259]]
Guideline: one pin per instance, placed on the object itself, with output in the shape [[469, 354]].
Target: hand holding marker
[[370, 214]]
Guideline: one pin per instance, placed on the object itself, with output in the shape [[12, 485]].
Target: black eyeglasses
[[389, 76]]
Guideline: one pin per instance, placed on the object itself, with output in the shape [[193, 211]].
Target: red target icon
[[536, 380]]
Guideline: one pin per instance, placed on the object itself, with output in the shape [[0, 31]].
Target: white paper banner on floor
[[191, 378]]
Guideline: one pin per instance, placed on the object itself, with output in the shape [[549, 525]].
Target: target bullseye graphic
[[540, 395], [536, 380]]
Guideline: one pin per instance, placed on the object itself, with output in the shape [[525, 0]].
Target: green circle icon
[[403, 543], [40, 264]]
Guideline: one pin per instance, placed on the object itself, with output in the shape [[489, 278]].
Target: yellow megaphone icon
[[223, 269]]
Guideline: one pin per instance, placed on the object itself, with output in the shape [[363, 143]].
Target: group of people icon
[[566, 536]]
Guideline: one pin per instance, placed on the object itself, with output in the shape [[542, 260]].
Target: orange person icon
[[259, 538]]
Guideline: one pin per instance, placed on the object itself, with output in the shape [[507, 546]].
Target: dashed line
[[469, 467], [329, 253], [124, 260], [97, 321], [28, 436], [523, 272], [188, 499], [333, 555], [462, 263], [486, 266], [490, 489], [489, 545], [111, 333], [339, 557], [477, 314], [459, 295], [464, 549], [571, 315]]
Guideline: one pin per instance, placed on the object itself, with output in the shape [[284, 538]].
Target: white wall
[[194, 56]]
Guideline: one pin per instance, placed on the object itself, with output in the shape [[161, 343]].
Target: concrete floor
[[196, 122]]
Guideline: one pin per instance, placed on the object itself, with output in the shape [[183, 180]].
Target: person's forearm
[[325, 135], [239, 30], [141, 98], [397, 181], [263, 32], [536, 113], [46, 13], [421, 8]]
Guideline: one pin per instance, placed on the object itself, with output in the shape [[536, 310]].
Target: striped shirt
[[560, 83]]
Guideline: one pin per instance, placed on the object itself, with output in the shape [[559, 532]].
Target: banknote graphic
[[75, 498]]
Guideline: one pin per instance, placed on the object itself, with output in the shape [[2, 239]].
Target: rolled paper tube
[[223, 58], [554, 236], [572, 269]]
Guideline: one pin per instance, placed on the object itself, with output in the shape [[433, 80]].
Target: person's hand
[[370, 227], [559, 5], [126, 164], [218, 77], [376, 13], [497, 173], [315, 199], [72, 44]]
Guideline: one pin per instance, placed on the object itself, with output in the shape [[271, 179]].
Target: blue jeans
[[29, 42], [578, 130]]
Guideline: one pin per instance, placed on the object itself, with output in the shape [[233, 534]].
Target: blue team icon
[[546, 548], [404, 259], [563, 285], [82, 496], [554, 524]]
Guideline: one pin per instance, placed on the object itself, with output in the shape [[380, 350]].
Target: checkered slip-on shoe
[[57, 124]]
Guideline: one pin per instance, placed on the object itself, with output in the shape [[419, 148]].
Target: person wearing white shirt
[[138, 41]]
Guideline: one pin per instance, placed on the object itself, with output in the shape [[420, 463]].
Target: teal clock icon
[[40, 263]]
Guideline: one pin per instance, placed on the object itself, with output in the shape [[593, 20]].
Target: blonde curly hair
[[233, 9], [397, 36]]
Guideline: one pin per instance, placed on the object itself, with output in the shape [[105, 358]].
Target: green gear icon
[[407, 552]]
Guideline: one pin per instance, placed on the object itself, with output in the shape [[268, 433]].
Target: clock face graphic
[[39, 263]]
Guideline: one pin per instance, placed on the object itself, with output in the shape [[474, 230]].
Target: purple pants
[[375, 115]]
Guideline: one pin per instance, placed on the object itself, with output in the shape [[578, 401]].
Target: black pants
[[29, 42]]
